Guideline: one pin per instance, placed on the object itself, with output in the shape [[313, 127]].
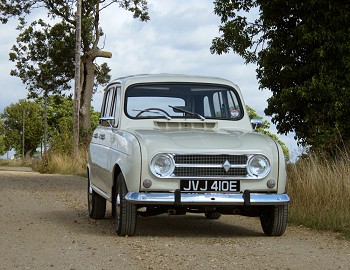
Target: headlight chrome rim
[[258, 166], [162, 165]]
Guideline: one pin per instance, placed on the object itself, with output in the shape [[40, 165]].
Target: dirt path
[[44, 225]]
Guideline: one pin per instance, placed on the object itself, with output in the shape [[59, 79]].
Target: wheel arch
[[88, 171], [282, 175], [116, 171]]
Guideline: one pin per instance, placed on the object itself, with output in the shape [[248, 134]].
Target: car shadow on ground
[[190, 225]]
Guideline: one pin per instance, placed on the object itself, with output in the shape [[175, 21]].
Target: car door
[[112, 139], [101, 142]]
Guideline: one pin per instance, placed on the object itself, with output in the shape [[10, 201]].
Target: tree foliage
[[264, 129], [44, 54], [302, 49], [23, 116], [44, 57]]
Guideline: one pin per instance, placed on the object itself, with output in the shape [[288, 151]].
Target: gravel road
[[44, 224]]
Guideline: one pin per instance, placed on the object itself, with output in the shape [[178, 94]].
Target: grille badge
[[226, 165]]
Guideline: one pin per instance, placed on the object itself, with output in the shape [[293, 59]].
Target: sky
[[176, 39]]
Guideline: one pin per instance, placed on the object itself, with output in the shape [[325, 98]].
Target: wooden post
[[23, 137], [45, 121]]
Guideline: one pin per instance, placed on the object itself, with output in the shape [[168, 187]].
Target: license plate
[[209, 185]]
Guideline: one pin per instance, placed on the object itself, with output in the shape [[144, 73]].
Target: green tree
[[44, 54], [60, 121], [23, 116], [302, 50], [264, 129]]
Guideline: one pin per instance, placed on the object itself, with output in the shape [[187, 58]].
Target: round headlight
[[258, 166], [162, 165]]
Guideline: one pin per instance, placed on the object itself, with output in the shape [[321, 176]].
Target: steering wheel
[[152, 109]]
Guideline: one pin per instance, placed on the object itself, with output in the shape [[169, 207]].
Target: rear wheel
[[274, 220], [125, 212], [212, 215], [96, 204]]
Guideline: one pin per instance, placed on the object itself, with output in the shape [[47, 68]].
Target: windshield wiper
[[152, 110], [188, 112]]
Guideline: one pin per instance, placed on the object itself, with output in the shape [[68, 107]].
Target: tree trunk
[[87, 86], [86, 94], [88, 75]]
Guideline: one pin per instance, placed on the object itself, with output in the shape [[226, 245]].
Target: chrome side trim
[[206, 198]]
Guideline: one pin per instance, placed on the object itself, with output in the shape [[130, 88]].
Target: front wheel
[[126, 213], [274, 220], [96, 203]]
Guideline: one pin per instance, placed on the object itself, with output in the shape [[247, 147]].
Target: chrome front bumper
[[178, 198]]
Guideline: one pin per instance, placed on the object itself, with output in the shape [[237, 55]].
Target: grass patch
[[62, 163], [16, 162], [319, 189]]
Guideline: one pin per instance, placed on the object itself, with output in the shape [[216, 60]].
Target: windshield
[[183, 101]]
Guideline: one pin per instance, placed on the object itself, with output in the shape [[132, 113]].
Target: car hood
[[218, 141]]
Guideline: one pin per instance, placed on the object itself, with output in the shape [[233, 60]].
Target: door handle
[[102, 136]]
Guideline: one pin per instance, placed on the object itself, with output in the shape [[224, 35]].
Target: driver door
[[102, 139]]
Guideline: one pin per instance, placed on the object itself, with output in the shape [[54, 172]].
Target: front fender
[[126, 154]]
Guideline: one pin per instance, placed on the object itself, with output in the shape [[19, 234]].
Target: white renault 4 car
[[176, 144]]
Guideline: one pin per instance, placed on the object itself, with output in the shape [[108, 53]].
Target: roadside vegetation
[[319, 188], [61, 163], [54, 156]]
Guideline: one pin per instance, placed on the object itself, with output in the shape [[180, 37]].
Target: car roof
[[167, 77]]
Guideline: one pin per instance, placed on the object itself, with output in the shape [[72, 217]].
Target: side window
[[108, 103]]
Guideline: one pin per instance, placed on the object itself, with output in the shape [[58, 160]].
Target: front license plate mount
[[210, 185]]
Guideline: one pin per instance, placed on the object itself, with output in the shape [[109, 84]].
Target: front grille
[[210, 166], [210, 159]]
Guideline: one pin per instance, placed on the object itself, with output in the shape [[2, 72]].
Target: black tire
[[212, 215], [96, 203], [125, 212], [274, 220]]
